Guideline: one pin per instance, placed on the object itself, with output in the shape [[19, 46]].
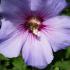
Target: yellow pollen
[[34, 21], [34, 25]]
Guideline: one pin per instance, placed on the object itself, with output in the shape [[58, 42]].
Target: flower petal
[[58, 32], [15, 9], [48, 8], [12, 46], [37, 52], [6, 28], [0, 8]]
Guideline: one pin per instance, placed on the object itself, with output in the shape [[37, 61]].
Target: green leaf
[[19, 64], [64, 65], [2, 57], [68, 52]]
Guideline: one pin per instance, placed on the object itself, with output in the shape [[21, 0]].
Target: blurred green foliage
[[61, 58]]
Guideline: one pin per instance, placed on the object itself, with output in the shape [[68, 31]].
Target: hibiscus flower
[[35, 29]]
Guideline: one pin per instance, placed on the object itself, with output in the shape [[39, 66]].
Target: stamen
[[34, 21], [33, 25]]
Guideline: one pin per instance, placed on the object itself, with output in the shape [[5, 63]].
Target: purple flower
[[34, 28]]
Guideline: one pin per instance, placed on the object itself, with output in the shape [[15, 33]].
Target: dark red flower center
[[33, 24]]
